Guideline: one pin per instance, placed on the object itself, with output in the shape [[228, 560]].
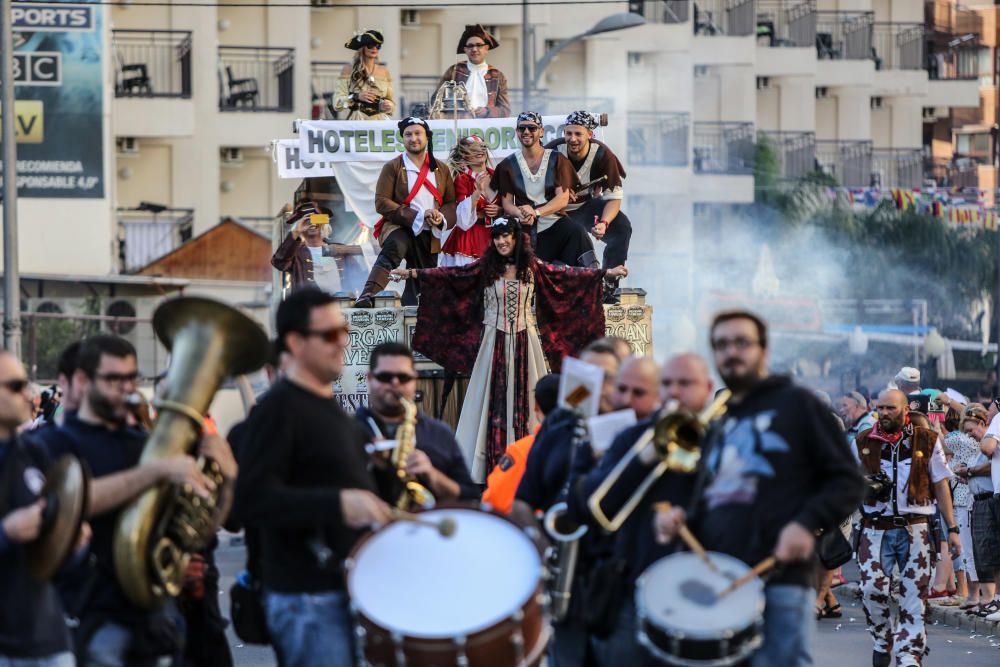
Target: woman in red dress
[[477, 203]]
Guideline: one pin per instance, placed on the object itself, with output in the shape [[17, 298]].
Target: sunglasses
[[527, 128], [118, 378], [15, 386], [331, 335], [385, 377]]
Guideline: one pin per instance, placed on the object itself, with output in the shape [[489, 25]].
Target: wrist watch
[[953, 529], [537, 214]]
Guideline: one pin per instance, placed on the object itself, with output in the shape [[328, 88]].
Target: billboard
[[58, 77]]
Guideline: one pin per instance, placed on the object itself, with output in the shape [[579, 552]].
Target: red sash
[[421, 182]]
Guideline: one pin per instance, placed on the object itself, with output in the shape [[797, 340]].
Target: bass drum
[[681, 621], [423, 600]]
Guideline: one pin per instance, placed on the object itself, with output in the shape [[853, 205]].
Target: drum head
[[409, 579], [677, 595], [66, 485]]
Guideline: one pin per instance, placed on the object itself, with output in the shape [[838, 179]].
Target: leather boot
[[588, 260], [611, 291], [377, 280], [880, 659]]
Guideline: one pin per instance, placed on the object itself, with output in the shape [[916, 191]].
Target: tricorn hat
[[366, 38], [476, 31]]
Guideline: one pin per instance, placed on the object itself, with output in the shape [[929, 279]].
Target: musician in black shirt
[[436, 460], [304, 486]]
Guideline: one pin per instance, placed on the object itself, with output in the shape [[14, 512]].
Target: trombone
[[676, 438]]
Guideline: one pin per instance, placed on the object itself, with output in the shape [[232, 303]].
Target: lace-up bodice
[[508, 305]]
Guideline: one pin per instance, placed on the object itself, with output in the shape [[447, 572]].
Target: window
[[973, 144]]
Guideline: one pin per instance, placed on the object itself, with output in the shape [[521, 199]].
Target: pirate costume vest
[[915, 449]]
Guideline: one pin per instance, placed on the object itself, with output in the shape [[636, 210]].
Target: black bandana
[[583, 119], [531, 117]]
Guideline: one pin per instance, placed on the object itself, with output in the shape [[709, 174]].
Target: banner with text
[[369, 329], [58, 86], [327, 141]]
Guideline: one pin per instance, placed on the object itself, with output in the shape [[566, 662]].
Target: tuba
[[677, 438], [157, 533], [415, 495]]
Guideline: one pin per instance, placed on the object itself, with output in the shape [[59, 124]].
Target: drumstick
[[445, 527], [758, 569], [689, 539]]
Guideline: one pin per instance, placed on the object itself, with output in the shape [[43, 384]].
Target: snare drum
[[475, 598], [681, 622]]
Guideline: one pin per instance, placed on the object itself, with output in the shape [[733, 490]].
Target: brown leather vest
[[918, 448]]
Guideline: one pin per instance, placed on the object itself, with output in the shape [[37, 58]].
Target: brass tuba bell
[[157, 533]]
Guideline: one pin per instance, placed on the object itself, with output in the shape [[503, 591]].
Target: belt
[[982, 496], [898, 521]]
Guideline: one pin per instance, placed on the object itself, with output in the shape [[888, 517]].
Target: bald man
[[684, 378], [636, 386], [895, 528]]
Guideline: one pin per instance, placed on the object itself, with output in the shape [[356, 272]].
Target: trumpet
[[677, 437]]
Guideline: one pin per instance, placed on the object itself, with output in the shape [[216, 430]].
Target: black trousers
[[616, 238], [566, 242], [401, 244]]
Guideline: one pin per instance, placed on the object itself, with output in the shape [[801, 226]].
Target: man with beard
[[436, 461], [535, 185], [415, 195], [598, 209], [775, 472], [910, 462], [112, 630]]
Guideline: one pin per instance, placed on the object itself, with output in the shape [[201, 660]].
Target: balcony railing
[[898, 46], [724, 17], [544, 103], [144, 236], [256, 78], [415, 93], [658, 138], [152, 63], [948, 17], [666, 11], [850, 162], [786, 22], [324, 76], [844, 35], [796, 151], [897, 167], [723, 148], [954, 173]]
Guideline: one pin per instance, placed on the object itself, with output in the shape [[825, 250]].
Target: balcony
[[735, 18], [957, 173], [849, 162], [844, 35], [796, 151], [323, 77], [658, 138], [415, 93], [897, 167], [898, 46], [665, 11], [786, 23], [148, 232], [256, 78], [946, 19], [723, 148], [152, 63]]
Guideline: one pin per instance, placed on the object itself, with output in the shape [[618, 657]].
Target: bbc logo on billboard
[[38, 68]]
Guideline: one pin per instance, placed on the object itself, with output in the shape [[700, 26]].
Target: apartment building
[[194, 94]]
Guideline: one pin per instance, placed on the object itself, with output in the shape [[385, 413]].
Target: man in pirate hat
[[485, 85]]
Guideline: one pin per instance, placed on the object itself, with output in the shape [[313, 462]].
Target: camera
[[878, 488]]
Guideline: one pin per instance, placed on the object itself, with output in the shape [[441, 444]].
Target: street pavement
[[840, 642]]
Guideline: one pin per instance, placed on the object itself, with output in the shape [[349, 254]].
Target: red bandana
[[878, 434]]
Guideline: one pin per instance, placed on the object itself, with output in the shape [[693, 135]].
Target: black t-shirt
[[31, 618], [297, 452], [434, 438], [548, 463], [106, 452], [777, 456]]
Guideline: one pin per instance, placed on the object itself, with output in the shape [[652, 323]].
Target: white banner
[[324, 141]]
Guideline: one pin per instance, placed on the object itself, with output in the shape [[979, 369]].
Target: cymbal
[[66, 486]]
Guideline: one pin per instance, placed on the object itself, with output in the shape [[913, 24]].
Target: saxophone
[[414, 494]]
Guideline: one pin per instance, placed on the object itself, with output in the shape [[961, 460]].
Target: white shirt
[[938, 469], [994, 432], [475, 87], [423, 200]]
